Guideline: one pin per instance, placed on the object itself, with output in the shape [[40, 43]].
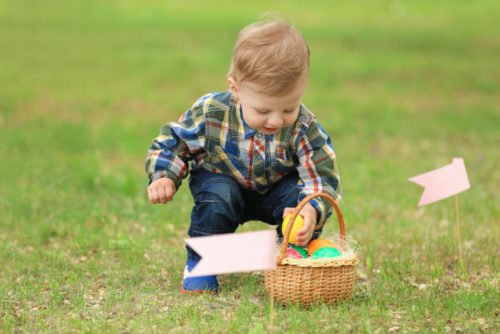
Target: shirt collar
[[248, 132]]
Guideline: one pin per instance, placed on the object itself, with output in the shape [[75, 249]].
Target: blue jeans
[[221, 204]]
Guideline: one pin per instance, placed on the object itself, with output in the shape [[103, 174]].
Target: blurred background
[[402, 87]]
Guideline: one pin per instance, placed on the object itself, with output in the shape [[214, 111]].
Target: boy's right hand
[[161, 190]]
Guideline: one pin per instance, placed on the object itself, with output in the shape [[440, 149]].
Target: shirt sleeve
[[177, 143], [318, 168]]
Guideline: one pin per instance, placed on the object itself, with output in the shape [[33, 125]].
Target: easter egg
[[297, 225], [301, 250], [293, 253], [325, 253], [317, 244]]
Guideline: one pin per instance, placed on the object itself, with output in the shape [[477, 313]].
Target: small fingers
[[287, 211], [169, 192], [306, 232], [166, 193], [153, 195], [162, 196], [303, 239], [161, 191]]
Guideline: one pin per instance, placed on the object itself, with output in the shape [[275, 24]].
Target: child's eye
[[289, 111], [262, 111]]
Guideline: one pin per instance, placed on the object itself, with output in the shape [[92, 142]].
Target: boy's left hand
[[310, 218]]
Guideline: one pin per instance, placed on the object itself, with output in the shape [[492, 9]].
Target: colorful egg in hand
[[297, 225], [325, 253]]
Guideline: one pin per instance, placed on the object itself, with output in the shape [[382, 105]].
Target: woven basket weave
[[305, 281]]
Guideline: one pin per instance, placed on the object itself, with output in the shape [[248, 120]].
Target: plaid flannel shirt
[[213, 135]]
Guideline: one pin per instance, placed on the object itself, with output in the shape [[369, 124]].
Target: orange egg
[[317, 244]]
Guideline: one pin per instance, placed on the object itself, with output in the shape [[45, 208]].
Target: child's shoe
[[200, 284]]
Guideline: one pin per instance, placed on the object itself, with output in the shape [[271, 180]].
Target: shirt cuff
[[324, 209], [164, 173], [322, 206]]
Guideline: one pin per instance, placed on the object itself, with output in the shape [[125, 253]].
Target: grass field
[[402, 87]]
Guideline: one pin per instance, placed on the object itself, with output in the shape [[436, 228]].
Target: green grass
[[402, 87]]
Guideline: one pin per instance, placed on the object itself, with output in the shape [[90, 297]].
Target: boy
[[256, 150]]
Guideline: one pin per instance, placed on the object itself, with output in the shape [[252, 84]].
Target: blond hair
[[272, 54]]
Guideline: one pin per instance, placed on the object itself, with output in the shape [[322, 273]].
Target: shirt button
[[260, 135]]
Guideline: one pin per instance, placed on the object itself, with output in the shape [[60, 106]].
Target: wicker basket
[[305, 281]]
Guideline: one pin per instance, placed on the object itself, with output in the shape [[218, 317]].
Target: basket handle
[[286, 237]]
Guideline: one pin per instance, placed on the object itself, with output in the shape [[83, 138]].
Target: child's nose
[[275, 122]]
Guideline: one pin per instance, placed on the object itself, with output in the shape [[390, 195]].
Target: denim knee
[[218, 204]]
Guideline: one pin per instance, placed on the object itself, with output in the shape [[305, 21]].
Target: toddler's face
[[267, 114]]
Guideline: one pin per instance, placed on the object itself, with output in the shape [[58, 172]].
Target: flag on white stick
[[442, 182], [229, 253]]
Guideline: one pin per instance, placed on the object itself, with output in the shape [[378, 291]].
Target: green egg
[[301, 250], [325, 253]]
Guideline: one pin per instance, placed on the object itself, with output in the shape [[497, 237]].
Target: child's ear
[[233, 86]]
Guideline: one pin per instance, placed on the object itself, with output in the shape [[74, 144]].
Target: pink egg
[[294, 254]]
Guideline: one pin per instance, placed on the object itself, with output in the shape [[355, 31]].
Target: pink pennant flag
[[442, 182], [229, 253]]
